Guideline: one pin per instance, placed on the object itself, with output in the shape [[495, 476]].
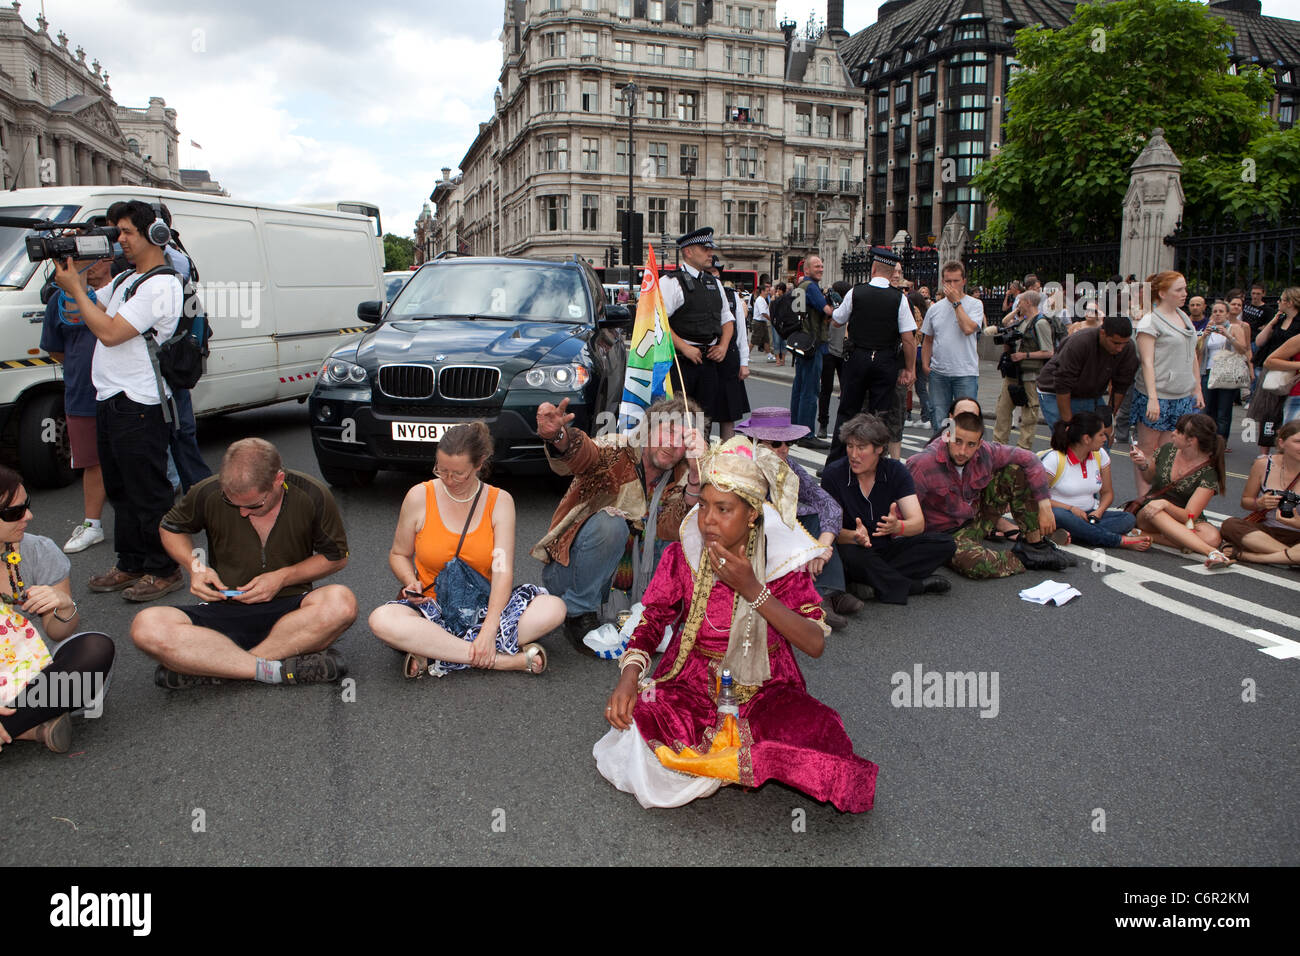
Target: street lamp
[[630, 94]]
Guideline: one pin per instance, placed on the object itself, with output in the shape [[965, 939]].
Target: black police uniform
[[872, 359]]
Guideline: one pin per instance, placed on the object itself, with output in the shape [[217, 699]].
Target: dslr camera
[[1286, 507], [1009, 336], [79, 241]]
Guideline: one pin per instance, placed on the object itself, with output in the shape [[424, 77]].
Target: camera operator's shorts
[[245, 624], [1236, 529], [81, 436]]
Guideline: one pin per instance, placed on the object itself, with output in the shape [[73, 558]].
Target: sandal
[[534, 653], [1217, 559], [415, 667]]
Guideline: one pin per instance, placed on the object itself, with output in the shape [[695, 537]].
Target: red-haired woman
[[1169, 379]]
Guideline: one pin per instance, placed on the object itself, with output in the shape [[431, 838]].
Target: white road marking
[[1276, 580], [1132, 579]]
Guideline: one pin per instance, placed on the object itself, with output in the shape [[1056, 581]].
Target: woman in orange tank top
[[434, 516]]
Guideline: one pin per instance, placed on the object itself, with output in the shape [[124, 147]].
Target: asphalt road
[[1121, 735]]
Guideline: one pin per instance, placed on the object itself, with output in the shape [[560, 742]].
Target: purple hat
[[771, 424]]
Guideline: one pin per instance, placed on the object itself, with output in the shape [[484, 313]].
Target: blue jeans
[[593, 559], [1106, 533], [923, 392], [1291, 410], [807, 384], [184, 445], [1218, 405], [1050, 414], [946, 389], [831, 579]]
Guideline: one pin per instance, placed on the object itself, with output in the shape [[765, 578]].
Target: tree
[[1087, 98], [399, 253]]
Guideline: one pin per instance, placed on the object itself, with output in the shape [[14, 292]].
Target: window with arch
[[824, 71], [133, 145]]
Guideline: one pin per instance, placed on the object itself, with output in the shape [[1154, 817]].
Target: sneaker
[[578, 626], [844, 603], [318, 667], [114, 579], [85, 536], [936, 584], [169, 679], [772, 359], [833, 620], [150, 587]]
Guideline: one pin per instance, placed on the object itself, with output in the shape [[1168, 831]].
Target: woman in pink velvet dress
[[737, 596]]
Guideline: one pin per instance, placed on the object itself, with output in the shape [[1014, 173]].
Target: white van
[[281, 285]]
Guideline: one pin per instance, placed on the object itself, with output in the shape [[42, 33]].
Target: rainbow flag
[[650, 356]]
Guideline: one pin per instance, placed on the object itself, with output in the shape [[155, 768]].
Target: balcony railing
[[803, 184]]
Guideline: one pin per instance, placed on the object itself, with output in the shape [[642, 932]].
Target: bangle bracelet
[[65, 620], [634, 656], [761, 598]]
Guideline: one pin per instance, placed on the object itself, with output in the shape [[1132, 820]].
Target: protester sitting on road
[[1187, 472], [1081, 486], [1267, 535], [638, 483], [955, 408], [70, 342], [1169, 383], [817, 511], [882, 539], [965, 484], [737, 599], [270, 534], [480, 619], [35, 597]]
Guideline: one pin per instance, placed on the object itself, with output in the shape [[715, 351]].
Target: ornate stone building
[[741, 123], [59, 124], [935, 74]]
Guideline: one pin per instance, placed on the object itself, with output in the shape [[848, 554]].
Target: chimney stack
[[835, 20]]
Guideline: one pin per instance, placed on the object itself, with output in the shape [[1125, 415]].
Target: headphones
[[159, 233]]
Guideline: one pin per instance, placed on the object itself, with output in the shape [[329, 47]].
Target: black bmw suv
[[468, 338]]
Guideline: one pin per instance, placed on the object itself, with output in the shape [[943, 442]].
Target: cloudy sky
[[311, 100]]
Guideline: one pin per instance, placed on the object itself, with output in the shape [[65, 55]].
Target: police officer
[[702, 323], [879, 321]]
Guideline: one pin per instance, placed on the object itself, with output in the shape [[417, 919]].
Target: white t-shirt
[[126, 368], [761, 310], [1074, 488], [953, 352]]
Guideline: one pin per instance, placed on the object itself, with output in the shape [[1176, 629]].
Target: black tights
[[89, 653]]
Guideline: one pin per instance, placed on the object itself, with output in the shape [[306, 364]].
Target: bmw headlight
[[338, 372], [554, 378]]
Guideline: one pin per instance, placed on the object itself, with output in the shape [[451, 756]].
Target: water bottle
[[727, 697]]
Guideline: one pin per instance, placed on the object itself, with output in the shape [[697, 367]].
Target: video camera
[[82, 240], [1010, 336]]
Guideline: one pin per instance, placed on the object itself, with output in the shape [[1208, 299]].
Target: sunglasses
[[257, 507], [15, 512], [772, 443]]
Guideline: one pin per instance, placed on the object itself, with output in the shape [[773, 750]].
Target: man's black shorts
[[245, 624]]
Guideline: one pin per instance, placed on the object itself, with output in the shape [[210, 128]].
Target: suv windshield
[[533, 291], [15, 267]]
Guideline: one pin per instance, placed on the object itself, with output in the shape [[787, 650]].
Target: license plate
[[421, 431]]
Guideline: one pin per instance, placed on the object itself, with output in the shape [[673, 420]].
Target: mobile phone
[[413, 592], [231, 593]]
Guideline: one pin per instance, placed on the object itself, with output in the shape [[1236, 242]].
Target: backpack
[[180, 359], [1060, 331], [783, 317]]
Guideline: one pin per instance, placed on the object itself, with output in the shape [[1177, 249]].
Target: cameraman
[[130, 428], [1027, 337]]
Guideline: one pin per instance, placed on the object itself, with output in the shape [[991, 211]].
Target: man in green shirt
[[270, 534]]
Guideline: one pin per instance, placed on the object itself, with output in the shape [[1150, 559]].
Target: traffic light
[[633, 245]]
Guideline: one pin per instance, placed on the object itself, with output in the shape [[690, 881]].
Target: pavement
[[1150, 722]]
